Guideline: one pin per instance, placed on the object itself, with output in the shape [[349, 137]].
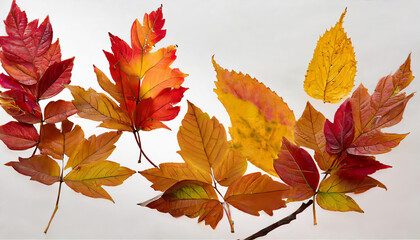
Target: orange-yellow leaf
[[170, 173], [88, 179], [94, 149], [331, 72], [259, 117], [255, 192], [230, 168], [99, 107], [108, 86], [202, 140], [192, 199], [40, 168]]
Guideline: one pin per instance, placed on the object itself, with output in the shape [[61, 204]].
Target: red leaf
[[58, 74], [40, 168], [358, 167], [19, 136], [296, 167], [150, 33], [24, 44], [58, 111], [21, 106], [151, 111], [339, 135]]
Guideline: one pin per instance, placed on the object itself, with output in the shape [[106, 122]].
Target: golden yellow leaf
[[202, 140], [99, 107], [88, 179], [96, 148], [260, 118], [331, 72]]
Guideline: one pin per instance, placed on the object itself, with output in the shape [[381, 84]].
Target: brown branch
[[283, 221]]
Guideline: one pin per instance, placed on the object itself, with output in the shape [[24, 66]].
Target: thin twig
[[283, 221], [137, 137]]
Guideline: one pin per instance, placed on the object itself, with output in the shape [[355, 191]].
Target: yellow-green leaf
[[331, 72], [260, 118]]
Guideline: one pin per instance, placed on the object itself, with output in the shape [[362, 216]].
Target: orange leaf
[[170, 173], [192, 199], [51, 141], [255, 192], [202, 140], [88, 179], [384, 108], [94, 149], [144, 37], [40, 168], [57, 111], [230, 168]]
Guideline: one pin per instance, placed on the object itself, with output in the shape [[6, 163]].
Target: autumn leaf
[[19, 136], [24, 46], [230, 168], [259, 117], [58, 111], [99, 107], [192, 199], [358, 167], [21, 106], [52, 141], [170, 173], [331, 72], [54, 79], [89, 178], [256, 192], [202, 140], [339, 135], [297, 168], [94, 149], [384, 108], [331, 193], [40, 168]]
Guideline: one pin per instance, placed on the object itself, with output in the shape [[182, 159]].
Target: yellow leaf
[[202, 140], [94, 149], [259, 117], [98, 107], [331, 72], [88, 179]]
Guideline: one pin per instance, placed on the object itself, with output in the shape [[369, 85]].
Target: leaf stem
[[283, 221], [313, 210], [229, 216], [56, 207], [137, 137]]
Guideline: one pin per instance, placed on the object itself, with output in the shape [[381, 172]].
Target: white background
[[272, 41]]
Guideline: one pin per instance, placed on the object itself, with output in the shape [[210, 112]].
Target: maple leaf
[[331, 72], [331, 193], [19, 136], [297, 168], [384, 108], [192, 199], [339, 135], [255, 192], [259, 117]]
